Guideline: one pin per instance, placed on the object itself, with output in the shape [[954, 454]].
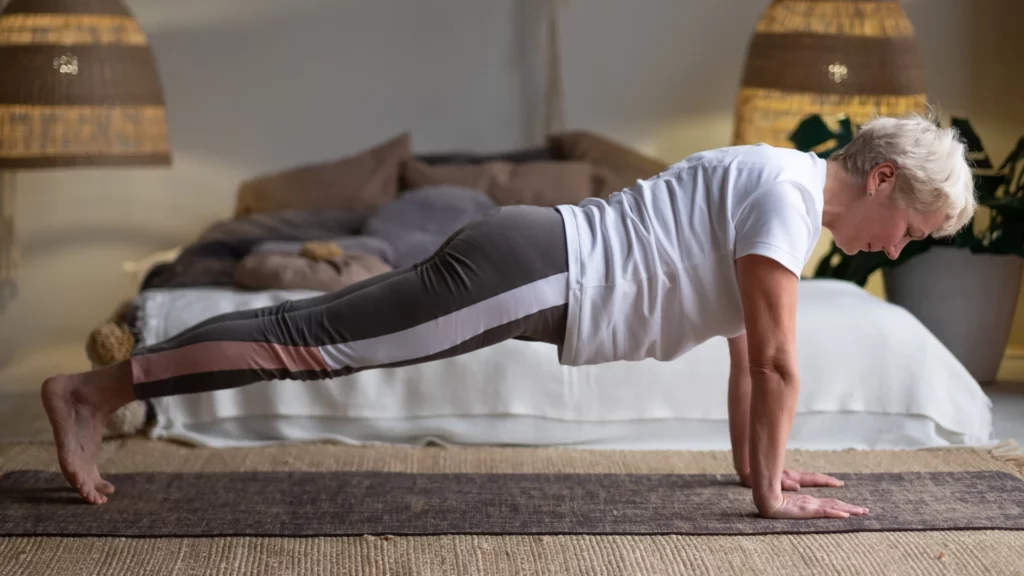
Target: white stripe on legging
[[447, 331]]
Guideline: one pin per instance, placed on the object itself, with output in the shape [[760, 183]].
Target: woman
[[713, 246]]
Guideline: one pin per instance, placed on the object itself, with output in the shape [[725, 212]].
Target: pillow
[[285, 271], [286, 225], [139, 269], [507, 183], [371, 245], [358, 183], [537, 154], [607, 182], [419, 221], [616, 166]]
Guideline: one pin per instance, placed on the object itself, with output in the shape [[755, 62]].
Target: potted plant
[[964, 289]]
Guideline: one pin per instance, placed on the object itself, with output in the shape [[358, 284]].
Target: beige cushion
[[507, 183], [287, 271], [615, 166], [359, 183]]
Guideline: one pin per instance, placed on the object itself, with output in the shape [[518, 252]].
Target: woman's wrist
[[767, 500]]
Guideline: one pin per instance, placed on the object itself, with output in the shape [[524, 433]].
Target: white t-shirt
[[652, 269]]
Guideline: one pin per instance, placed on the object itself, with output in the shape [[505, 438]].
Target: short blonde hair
[[932, 169]]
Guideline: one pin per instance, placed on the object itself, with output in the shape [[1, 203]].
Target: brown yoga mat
[[222, 504]]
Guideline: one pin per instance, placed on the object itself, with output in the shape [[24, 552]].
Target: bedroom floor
[[22, 418]]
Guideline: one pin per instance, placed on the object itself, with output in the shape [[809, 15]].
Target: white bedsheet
[[872, 377]]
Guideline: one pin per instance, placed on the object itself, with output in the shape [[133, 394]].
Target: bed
[[872, 376]]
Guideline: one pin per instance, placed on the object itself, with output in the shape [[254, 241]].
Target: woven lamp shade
[[79, 87], [828, 57]]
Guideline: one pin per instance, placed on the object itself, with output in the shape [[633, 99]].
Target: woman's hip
[[521, 241]]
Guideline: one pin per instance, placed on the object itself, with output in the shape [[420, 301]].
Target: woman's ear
[[882, 179]]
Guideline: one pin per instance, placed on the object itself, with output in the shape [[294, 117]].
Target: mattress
[[872, 377]]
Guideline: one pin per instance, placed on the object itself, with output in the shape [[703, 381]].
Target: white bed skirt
[[814, 431], [871, 377]]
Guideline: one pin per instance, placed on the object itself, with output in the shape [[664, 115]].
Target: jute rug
[[932, 551]]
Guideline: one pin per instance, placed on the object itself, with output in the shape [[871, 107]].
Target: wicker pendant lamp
[[78, 87], [829, 57]]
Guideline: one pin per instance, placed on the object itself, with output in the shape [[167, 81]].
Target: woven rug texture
[[890, 553]]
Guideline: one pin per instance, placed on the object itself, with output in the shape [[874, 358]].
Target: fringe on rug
[[1009, 452]]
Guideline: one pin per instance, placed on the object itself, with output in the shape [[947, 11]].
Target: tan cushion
[[507, 183], [287, 271], [359, 183], [616, 166], [607, 182]]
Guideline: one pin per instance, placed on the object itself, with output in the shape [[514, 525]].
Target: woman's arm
[[769, 291], [739, 424], [739, 406]]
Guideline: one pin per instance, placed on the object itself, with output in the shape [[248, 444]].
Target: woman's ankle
[[107, 389]]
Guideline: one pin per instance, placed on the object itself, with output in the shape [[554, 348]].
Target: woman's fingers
[[819, 480], [841, 506], [793, 480], [833, 513]]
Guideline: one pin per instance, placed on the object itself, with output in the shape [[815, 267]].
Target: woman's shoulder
[[760, 153], [754, 164], [758, 157]]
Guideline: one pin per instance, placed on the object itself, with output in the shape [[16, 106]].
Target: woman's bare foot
[[78, 407]]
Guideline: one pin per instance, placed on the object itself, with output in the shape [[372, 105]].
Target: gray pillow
[[420, 220], [288, 224]]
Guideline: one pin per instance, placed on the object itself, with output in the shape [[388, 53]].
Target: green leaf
[[811, 133], [974, 146]]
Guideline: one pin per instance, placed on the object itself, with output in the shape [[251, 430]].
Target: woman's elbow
[[778, 366]]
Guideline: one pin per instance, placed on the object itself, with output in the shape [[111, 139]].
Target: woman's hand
[[792, 480], [802, 506]]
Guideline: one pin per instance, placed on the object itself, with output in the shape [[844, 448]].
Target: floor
[[1008, 410], [22, 418], [1008, 400]]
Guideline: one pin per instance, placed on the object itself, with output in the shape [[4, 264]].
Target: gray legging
[[503, 276]]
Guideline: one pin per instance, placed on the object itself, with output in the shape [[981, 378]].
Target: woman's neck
[[839, 187]]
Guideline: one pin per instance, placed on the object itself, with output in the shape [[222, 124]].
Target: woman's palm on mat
[[800, 506]]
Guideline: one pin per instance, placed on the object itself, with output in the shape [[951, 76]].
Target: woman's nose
[[893, 252]]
